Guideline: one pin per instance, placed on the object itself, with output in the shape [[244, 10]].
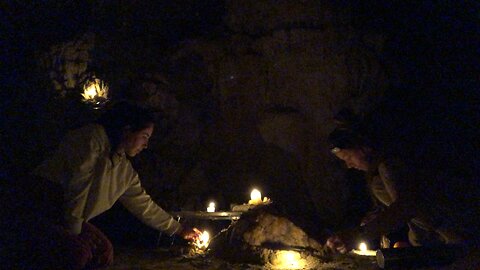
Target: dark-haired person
[[405, 195], [92, 167]]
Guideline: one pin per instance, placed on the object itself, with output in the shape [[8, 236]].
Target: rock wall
[[252, 107], [279, 88], [67, 63]]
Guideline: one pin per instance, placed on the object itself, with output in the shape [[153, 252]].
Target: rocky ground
[[263, 238], [161, 258]]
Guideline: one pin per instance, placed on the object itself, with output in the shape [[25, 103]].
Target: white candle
[[255, 197], [363, 250], [211, 207]]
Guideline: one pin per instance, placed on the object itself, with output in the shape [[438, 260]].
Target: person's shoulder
[[89, 132], [89, 129]]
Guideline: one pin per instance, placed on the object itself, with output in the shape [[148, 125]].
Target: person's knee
[[102, 247], [79, 257], [104, 256]]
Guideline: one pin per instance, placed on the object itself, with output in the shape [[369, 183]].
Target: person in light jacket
[[405, 197], [92, 167]]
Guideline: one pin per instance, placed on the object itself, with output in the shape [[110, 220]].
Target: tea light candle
[[211, 207], [255, 197], [364, 251]]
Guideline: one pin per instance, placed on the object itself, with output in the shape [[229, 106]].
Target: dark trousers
[[32, 235]]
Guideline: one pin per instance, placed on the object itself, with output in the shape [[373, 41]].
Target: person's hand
[[336, 244], [190, 234]]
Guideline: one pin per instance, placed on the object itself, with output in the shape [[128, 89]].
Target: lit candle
[[203, 241], [211, 207], [255, 197], [288, 259], [363, 250]]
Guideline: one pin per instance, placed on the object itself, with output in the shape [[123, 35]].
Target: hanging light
[[95, 92]]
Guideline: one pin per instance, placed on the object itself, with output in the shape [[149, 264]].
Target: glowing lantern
[[211, 207], [95, 92]]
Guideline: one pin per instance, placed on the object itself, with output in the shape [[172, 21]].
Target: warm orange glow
[[95, 89], [203, 241], [363, 250], [288, 259]]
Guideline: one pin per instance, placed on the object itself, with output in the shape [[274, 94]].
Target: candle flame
[[255, 195], [203, 241], [362, 246], [211, 207], [363, 250], [288, 259]]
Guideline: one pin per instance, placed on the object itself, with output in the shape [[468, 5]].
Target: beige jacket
[[93, 181]]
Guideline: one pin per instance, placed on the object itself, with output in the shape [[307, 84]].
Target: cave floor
[[161, 258], [128, 258]]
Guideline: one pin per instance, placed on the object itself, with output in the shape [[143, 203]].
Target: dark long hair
[[123, 115], [350, 132], [345, 138]]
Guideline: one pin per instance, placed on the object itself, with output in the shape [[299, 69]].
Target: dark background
[[430, 115]]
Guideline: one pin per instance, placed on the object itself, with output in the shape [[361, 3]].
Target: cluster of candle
[[203, 241], [255, 199]]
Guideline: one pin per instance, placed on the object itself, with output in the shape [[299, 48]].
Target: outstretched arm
[[141, 205]]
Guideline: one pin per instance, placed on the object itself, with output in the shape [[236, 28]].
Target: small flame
[[95, 89], [362, 246], [255, 195], [211, 207], [364, 251], [288, 259], [203, 241]]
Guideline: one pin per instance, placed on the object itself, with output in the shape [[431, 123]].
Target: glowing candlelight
[[255, 197], [364, 251], [288, 259], [95, 89], [203, 241], [211, 207], [95, 93], [362, 247]]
